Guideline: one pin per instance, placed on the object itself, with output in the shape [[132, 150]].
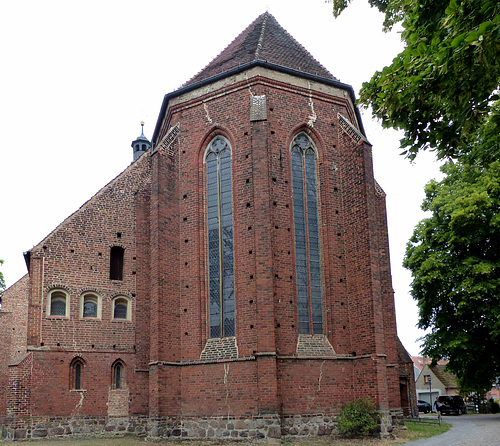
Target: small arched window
[[90, 306], [57, 304], [116, 263], [121, 308], [76, 370], [118, 374]]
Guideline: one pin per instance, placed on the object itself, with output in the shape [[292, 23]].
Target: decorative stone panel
[[314, 345], [348, 128], [258, 108], [220, 348]]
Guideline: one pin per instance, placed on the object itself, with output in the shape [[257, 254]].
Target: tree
[[442, 92], [441, 89], [454, 257]]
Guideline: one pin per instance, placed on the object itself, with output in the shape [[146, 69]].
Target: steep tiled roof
[[448, 379], [267, 41], [403, 355]]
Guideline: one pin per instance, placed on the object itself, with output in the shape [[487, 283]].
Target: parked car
[[451, 404], [424, 406]]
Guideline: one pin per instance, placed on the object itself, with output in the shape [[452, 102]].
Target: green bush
[[493, 406], [359, 417]]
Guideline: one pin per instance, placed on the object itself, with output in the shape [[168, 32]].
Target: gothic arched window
[[118, 374], [76, 368], [307, 251], [220, 238]]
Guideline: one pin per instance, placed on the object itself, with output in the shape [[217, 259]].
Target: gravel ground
[[467, 430]]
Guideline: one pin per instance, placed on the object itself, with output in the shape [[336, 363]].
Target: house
[[435, 381], [232, 282]]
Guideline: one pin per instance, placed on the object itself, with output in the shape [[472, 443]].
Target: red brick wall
[[13, 332], [76, 258], [158, 207], [355, 281], [19, 387], [15, 301], [6, 327]]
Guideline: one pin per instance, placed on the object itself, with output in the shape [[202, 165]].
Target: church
[[232, 282]]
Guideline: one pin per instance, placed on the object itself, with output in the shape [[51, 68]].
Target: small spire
[[141, 144]]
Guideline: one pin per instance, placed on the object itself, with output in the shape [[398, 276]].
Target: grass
[[414, 431]]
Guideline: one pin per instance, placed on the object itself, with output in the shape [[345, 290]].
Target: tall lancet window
[[220, 238], [307, 252]]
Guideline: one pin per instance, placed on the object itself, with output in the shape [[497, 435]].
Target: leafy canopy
[[454, 257], [440, 90]]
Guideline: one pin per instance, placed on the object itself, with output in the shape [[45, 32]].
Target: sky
[[78, 77]]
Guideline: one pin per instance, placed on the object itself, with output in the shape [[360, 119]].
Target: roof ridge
[[266, 40], [261, 37]]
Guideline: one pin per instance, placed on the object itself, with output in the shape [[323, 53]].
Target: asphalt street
[[473, 429]]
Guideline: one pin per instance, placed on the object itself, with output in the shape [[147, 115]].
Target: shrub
[[359, 417], [493, 406]]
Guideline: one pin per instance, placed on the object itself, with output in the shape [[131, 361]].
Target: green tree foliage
[[359, 417], [454, 257], [440, 90]]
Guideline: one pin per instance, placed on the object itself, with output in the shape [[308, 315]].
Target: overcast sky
[[78, 77]]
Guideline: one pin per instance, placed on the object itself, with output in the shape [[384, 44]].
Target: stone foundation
[[210, 428]]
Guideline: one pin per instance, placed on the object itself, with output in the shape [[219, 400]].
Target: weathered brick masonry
[[144, 361]]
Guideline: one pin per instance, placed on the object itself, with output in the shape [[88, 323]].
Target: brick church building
[[233, 281]]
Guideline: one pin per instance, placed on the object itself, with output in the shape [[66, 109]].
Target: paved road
[[467, 430]]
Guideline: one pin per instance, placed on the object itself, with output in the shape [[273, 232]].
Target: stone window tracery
[[220, 238], [306, 224]]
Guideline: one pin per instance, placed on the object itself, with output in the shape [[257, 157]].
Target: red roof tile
[[263, 40]]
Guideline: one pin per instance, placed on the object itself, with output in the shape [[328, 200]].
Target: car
[[459, 404], [451, 404], [424, 406]]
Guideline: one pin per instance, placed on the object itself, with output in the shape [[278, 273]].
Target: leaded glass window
[[120, 309], [220, 238], [76, 374], [307, 252], [117, 375], [58, 303], [90, 306]]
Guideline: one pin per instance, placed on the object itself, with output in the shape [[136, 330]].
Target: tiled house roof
[[264, 39], [448, 379]]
